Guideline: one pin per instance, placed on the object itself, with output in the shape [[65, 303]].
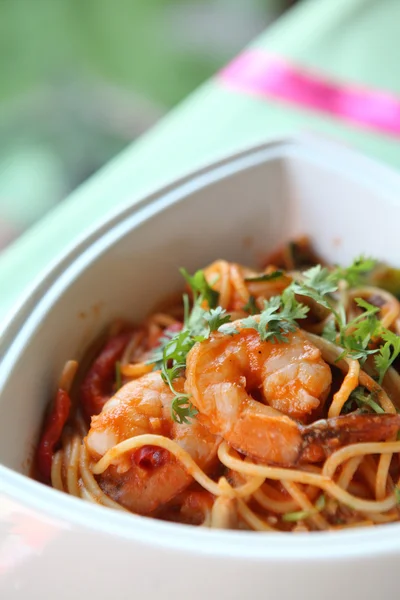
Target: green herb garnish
[[200, 287], [251, 306], [156, 357], [319, 284], [228, 329], [173, 365], [171, 354], [330, 332], [305, 514], [265, 277], [387, 353], [182, 409], [356, 335], [278, 318], [216, 317], [361, 399], [356, 273]]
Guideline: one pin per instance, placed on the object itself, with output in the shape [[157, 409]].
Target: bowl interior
[[239, 211]]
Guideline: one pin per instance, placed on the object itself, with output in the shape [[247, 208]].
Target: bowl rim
[[72, 512]]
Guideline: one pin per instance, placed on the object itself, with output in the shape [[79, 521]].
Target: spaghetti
[[264, 401]]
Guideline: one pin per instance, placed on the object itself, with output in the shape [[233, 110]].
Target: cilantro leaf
[[305, 514], [355, 348], [330, 333], [299, 515], [387, 353], [272, 327], [357, 271], [182, 409], [228, 329], [216, 317], [172, 366], [367, 306], [397, 493], [156, 356], [264, 277], [357, 334], [292, 309], [319, 279], [174, 356], [178, 347], [317, 284], [366, 325], [171, 355], [195, 322], [361, 399], [278, 318], [251, 306], [248, 323], [200, 286]]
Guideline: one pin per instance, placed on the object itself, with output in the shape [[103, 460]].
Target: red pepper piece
[[52, 433], [97, 386], [150, 457]]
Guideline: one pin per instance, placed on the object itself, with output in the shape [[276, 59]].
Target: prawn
[[253, 393], [149, 477]]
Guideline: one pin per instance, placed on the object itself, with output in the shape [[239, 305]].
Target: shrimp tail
[[279, 442], [325, 436]]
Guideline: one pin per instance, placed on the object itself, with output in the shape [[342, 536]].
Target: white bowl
[[53, 545]]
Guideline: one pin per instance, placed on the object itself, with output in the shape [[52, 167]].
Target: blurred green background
[[80, 79]]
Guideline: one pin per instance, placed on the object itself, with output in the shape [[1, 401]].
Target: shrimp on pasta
[[148, 476], [292, 380]]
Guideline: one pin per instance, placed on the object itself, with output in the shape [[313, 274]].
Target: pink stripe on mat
[[262, 74]]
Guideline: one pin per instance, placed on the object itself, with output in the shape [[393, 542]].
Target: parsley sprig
[[171, 354], [387, 353], [355, 274], [172, 365], [362, 399], [278, 318], [251, 306], [317, 284], [320, 284], [281, 313], [182, 409], [300, 515], [355, 336], [200, 287], [216, 317], [265, 277]]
